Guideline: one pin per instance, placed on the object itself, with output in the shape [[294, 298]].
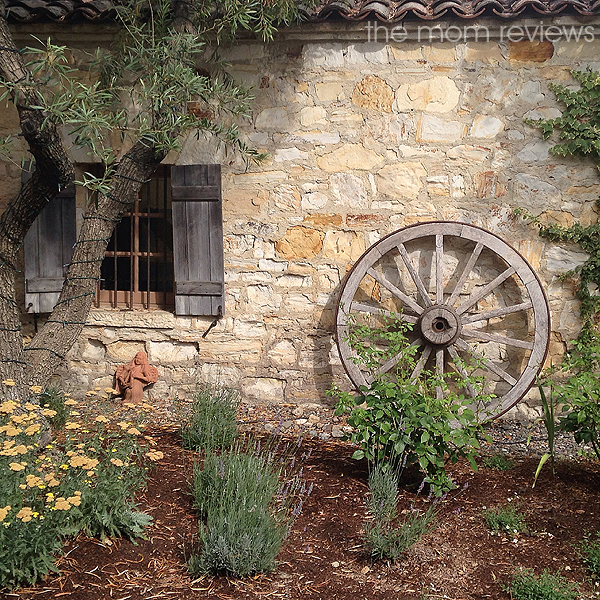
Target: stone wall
[[364, 137]]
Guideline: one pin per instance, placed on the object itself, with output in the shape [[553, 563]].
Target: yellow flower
[[20, 449], [72, 425], [36, 389], [48, 412], [33, 481], [25, 514], [62, 504], [101, 419], [70, 402], [129, 404], [90, 473], [154, 455], [22, 486], [14, 466], [12, 431], [53, 482], [90, 393], [134, 431], [9, 382], [32, 429], [3, 512], [74, 500], [117, 462], [30, 406], [123, 424], [64, 467], [8, 406], [109, 390]]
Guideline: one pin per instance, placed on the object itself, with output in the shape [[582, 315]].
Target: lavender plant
[[247, 497]]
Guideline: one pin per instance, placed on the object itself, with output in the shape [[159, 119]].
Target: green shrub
[[247, 498], [211, 422], [385, 537], [53, 398], [505, 519], [498, 462], [85, 482], [526, 586], [402, 423], [589, 551]]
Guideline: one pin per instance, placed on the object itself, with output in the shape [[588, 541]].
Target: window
[[167, 251], [137, 271]]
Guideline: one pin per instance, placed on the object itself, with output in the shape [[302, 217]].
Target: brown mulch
[[324, 556]]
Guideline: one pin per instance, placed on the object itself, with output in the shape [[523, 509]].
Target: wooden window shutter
[[48, 247], [198, 240]]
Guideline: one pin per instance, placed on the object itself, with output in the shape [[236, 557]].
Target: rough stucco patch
[[527, 51], [373, 93]]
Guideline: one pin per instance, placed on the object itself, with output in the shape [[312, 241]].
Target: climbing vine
[[579, 127]]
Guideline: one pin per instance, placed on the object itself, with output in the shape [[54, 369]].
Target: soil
[[324, 557]]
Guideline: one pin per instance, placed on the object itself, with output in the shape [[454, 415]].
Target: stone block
[[265, 390], [535, 152], [93, 351], [324, 220], [343, 246], [489, 185], [318, 138], [287, 154], [314, 201], [124, 351], [248, 328], [435, 129], [328, 91], [286, 197], [475, 154], [310, 115], [283, 354], [438, 94], [323, 56], [292, 281], [349, 156], [438, 185], [531, 92], [349, 190], [367, 53], [300, 242], [262, 297], [485, 52], [373, 93], [439, 53], [560, 260], [401, 180], [274, 119], [401, 52], [171, 352], [230, 351], [486, 127]]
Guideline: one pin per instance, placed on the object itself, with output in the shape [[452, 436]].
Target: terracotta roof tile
[[386, 10]]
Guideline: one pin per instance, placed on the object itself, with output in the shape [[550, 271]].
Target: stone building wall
[[364, 137]]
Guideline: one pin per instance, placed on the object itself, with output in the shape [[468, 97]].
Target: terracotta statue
[[132, 378]]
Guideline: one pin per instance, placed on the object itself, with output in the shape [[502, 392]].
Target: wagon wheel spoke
[[375, 310], [485, 290], [467, 385], [499, 339], [466, 272], [499, 312], [485, 363], [420, 364], [398, 293], [414, 275], [439, 268], [439, 371]]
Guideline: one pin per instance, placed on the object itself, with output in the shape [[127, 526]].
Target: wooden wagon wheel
[[467, 293]]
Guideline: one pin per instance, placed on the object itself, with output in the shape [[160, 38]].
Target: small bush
[[247, 498], [53, 398], [384, 537], [505, 519], [86, 481], [526, 586], [589, 551], [211, 422], [498, 462]]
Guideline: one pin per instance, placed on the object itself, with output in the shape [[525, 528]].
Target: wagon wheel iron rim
[[466, 292]]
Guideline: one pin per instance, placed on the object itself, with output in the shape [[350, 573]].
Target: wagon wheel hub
[[440, 325]]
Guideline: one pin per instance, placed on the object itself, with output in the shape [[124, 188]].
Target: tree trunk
[[53, 171], [49, 347]]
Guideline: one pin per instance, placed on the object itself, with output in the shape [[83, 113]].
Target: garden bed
[[324, 555]]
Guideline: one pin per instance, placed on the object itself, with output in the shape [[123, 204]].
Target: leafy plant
[[527, 586], [211, 422], [505, 519], [402, 423], [579, 127], [86, 481], [247, 498], [385, 537], [54, 399], [498, 462], [550, 424], [589, 551]]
